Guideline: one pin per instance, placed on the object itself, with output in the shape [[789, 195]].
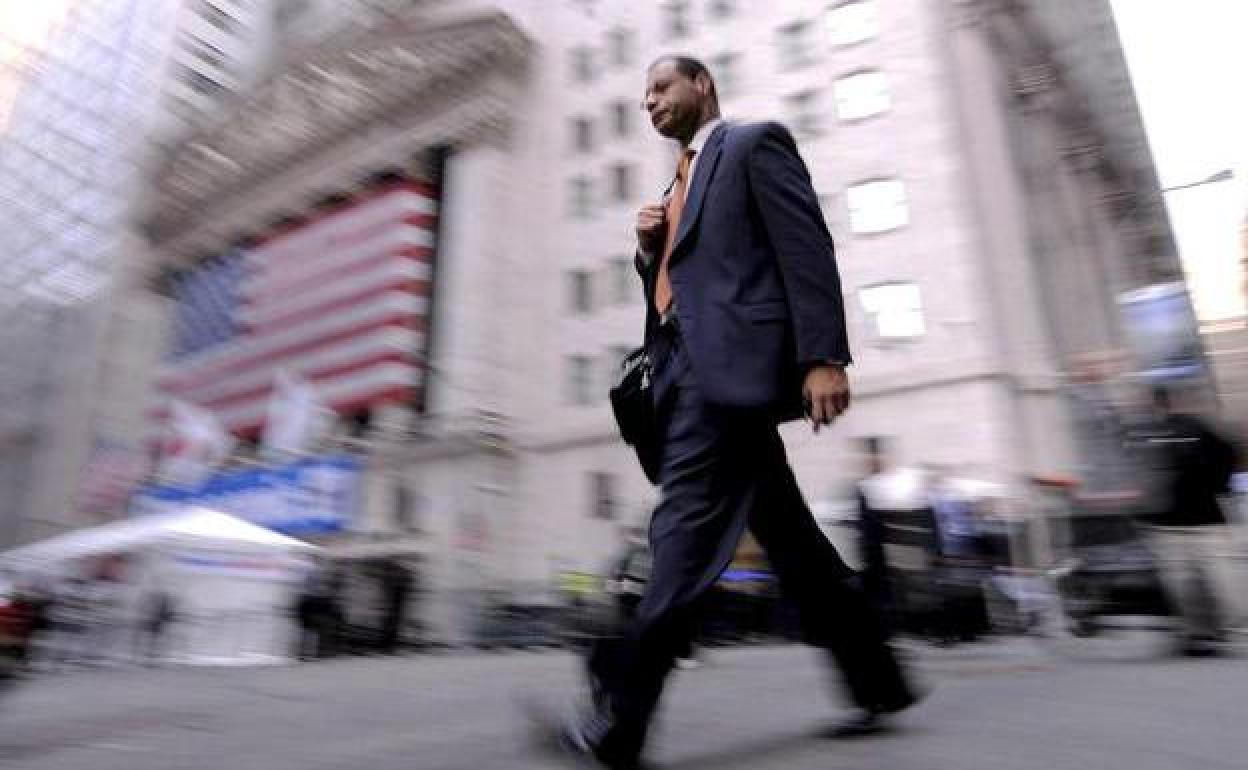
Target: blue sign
[[1163, 333], [312, 496]]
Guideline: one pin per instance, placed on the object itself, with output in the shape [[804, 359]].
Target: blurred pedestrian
[[1193, 537], [396, 586], [68, 619], [874, 575], [630, 572], [1102, 428], [105, 595], [318, 616], [155, 617], [744, 329]]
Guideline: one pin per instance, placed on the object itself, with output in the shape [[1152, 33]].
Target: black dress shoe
[[863, 723], [900, 703], [875, 720], [560, 738]]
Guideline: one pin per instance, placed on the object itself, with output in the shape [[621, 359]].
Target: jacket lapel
[[697, 191]]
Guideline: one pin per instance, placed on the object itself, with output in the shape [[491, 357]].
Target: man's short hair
[[690, 68]]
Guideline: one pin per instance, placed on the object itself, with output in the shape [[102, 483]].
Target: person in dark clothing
[[396, 587], [157, 616], [630, 573], [319, 617], [874, 574], [1194, 464], [745, 329]]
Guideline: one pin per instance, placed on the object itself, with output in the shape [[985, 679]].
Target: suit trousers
[[721, 471]]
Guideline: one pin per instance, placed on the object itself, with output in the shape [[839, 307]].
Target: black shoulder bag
[[632, 401]]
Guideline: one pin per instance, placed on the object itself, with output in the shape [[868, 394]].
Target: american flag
[[341, 301]]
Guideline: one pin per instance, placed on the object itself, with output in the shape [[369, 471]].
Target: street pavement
[[1004, 706]]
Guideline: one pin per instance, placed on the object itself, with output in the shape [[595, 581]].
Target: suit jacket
[[754, 279]]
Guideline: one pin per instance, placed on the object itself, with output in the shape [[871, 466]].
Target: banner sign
[[312, 496], [1163, 333], [254, 566]]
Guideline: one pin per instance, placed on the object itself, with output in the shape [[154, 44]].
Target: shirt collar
[[699, 139]]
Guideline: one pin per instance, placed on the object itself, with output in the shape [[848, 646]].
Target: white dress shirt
[[696, 144]]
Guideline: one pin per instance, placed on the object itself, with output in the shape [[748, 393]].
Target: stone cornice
[[416, 69], [1101, 136]]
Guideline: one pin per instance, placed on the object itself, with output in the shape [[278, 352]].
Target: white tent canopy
[[194, 525], [231, 583]]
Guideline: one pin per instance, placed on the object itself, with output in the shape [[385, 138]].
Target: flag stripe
[[415, 288], [293, 284], [340, 300], [381, 311], [277, 357], [369, 208], [392, 271], [273, 281], [334, 391], [261, 393], [389, 338], [346, 230]]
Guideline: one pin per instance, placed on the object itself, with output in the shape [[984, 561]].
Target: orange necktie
[[675, 205]]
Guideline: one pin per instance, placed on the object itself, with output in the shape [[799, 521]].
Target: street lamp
[[1225, 175]]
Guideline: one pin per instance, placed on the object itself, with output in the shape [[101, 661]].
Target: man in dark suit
[[745, 329]]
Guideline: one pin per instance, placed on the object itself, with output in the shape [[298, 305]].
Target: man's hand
[[826, 391], [651, 227]]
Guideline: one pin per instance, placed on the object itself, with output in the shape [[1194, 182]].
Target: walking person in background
[[1193, 537], [874, 574], [155, 618], [396, 587], [745, 329], [630, 573]]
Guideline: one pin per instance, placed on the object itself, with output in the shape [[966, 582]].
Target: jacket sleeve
[[790, 213]]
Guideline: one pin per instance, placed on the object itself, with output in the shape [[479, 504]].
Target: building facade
[[981, 164], [87, 89]]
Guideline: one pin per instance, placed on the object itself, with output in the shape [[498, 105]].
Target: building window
[[721, 9], [580, 197], [622, 281], [676, 19], [207, 52], [853, 22], [217, 17], [622, 47], [200, 82], [861, 95], [725, 69], [580, 292], [622, 118], [580, 382], [878, 206], [895, 310], [602, 495], [583, 134], [796, 50], [803, 112], [621, 182], [582, 64]]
